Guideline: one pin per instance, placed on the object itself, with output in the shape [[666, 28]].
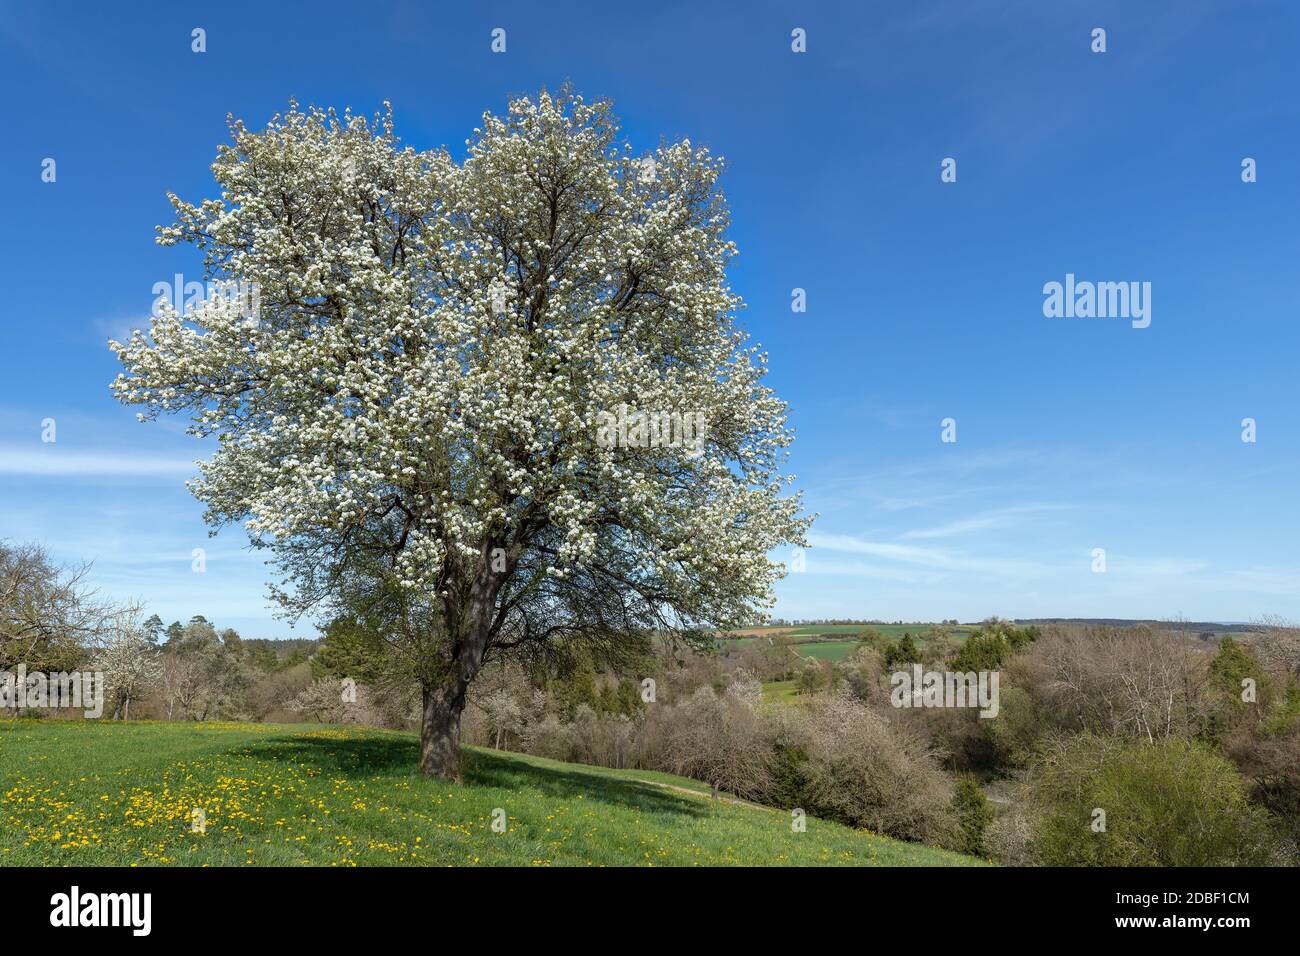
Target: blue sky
[[924, 299]]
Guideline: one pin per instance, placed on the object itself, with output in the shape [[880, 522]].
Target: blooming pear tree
[[427, 414], [129, 662]]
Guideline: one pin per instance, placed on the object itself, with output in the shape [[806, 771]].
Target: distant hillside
[[1190, 627]]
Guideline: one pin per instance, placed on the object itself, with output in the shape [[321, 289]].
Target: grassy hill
[[100, 793]]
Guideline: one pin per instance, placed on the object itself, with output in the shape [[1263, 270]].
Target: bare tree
[[870, 771], [719, 740], [1276, 644], [198, 675], [1138, 680], [48, 613], [504, 716]]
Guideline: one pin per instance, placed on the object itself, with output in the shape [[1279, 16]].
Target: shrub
[[1230, 667], [1272, 765], [867, 772], [1014, 734], [1010, 837], [602, 742], [552, 738], [974, 815], [326, 701], [815, 676], [873, 638], [788, 736], [864, 674], [983, 651], [904, 653], [720, 740], [1171, 802]]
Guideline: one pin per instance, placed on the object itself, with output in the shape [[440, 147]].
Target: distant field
[[101, 793], [827, 650], [827, 641], [811, 630], [957, 631]]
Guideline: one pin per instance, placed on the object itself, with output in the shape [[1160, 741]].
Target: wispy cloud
[[984, 521], [1155, 567], [52, 461], [926, 557], [873, 572], [1201, 575]]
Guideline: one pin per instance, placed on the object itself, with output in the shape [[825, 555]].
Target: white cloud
[[872, 572], [52, 461], [984, 521], [935, 558]]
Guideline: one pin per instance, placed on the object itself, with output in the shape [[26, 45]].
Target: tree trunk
[[444, 702], [440, 731]]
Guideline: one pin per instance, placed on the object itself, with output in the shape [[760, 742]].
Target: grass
[[780, 690], [100, 793]]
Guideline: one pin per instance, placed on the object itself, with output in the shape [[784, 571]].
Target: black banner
[[334, 906]]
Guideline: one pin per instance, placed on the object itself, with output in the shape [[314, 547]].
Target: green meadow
[[102, 793]]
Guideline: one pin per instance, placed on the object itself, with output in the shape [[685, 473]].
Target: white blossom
[[382, 418]]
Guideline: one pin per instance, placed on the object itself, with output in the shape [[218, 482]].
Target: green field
[[105, 793], [835, 642], [819, 630], [827, 650], [853, 630]]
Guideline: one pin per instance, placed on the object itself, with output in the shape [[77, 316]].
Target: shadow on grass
[[385, 755], [509, 772], [336, 754]]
